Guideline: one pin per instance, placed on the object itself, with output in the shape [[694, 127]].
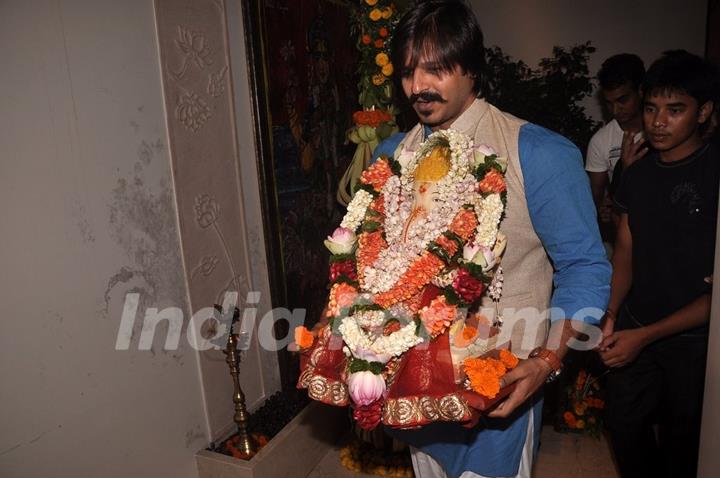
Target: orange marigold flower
[[438, 316], [378, 79], [379, 43], [415, 277], [375, 14], [387, 13], [383, 32], [579, 409], [303, 337], [508, 359], [493, 182], [377, 174], [366, 39], [371, 2], [484, 375], [382, 59], [580, 424], [388, 69], [464, 223]]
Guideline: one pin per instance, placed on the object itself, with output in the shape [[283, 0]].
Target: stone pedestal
[[292, 453]]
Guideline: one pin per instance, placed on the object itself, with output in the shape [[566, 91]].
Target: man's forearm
[[692, 316]]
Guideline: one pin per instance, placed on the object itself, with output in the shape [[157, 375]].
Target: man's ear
[[705, 111]]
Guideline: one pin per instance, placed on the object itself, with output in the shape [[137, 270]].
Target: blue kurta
[[561, 209]]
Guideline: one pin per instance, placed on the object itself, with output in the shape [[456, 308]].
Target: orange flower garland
[[371, 117], [377, 174], [415, 277], [493, 182], [369, 246], [464, 223], [508, 359]]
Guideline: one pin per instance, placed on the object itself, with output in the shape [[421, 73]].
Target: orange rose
[[383, 32], [366, 39], [569, 419], [379, 43]]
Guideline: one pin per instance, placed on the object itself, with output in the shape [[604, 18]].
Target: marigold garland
[[493, 182], [417, 276], [377, 174], [342, 295]]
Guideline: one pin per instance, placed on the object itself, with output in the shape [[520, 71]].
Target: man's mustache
[[426, 96]]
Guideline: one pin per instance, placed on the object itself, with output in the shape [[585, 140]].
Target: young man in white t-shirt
[[620, 78]]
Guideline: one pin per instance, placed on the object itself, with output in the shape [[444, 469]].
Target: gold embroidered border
[[320, 388], [416, 411]]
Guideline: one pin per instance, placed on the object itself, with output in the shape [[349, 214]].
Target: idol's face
[[437, 96], [624, 103], [672, 121]]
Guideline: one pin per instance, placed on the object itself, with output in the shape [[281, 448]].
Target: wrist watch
[[551, 358]]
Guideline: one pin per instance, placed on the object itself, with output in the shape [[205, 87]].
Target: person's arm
[[562, 214], [621, 276], [624, 346]]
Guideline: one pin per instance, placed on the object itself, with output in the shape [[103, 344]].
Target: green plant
[[547, 95]]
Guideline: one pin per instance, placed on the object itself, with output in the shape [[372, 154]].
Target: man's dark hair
[[444, 31], [678, 71], [621, 69]]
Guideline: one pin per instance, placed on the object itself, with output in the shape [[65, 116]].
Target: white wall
[[88, 214], [528, 29]]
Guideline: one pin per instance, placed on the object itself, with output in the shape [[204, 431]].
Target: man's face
[[623, 103], [672, 121], [437, 96]]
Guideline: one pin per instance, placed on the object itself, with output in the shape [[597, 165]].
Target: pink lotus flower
[[342, 241], [365, 387], [485, 150]]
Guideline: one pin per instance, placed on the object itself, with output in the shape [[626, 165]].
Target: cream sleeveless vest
[[526, 267]]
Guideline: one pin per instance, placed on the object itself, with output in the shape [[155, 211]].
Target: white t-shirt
[[604, 149]]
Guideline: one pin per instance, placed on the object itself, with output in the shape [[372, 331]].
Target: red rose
[[368, 416], [346, 268], [467, 287]]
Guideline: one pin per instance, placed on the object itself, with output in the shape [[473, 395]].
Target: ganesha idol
[[414, 264]]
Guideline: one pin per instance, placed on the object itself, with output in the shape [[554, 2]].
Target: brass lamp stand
[[246, 444]]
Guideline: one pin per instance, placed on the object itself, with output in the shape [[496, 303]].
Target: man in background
[[620, 78]]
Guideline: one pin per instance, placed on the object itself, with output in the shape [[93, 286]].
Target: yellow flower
[[378, 80], [376, 14], [381, 59], [371, 2], [580, 424], [387, 13], [387, 70]]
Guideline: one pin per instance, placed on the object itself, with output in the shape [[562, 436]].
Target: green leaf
[[370, 226]]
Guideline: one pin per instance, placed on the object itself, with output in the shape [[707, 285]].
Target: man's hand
[[623, 347], [607, 327], [630, 150], [528, 376]]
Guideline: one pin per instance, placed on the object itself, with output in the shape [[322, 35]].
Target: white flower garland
[[392, 345], [356, 210], [489, 214]]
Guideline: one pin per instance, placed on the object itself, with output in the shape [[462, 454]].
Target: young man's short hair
[[621, 69], [678, 71], [445, 31]]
